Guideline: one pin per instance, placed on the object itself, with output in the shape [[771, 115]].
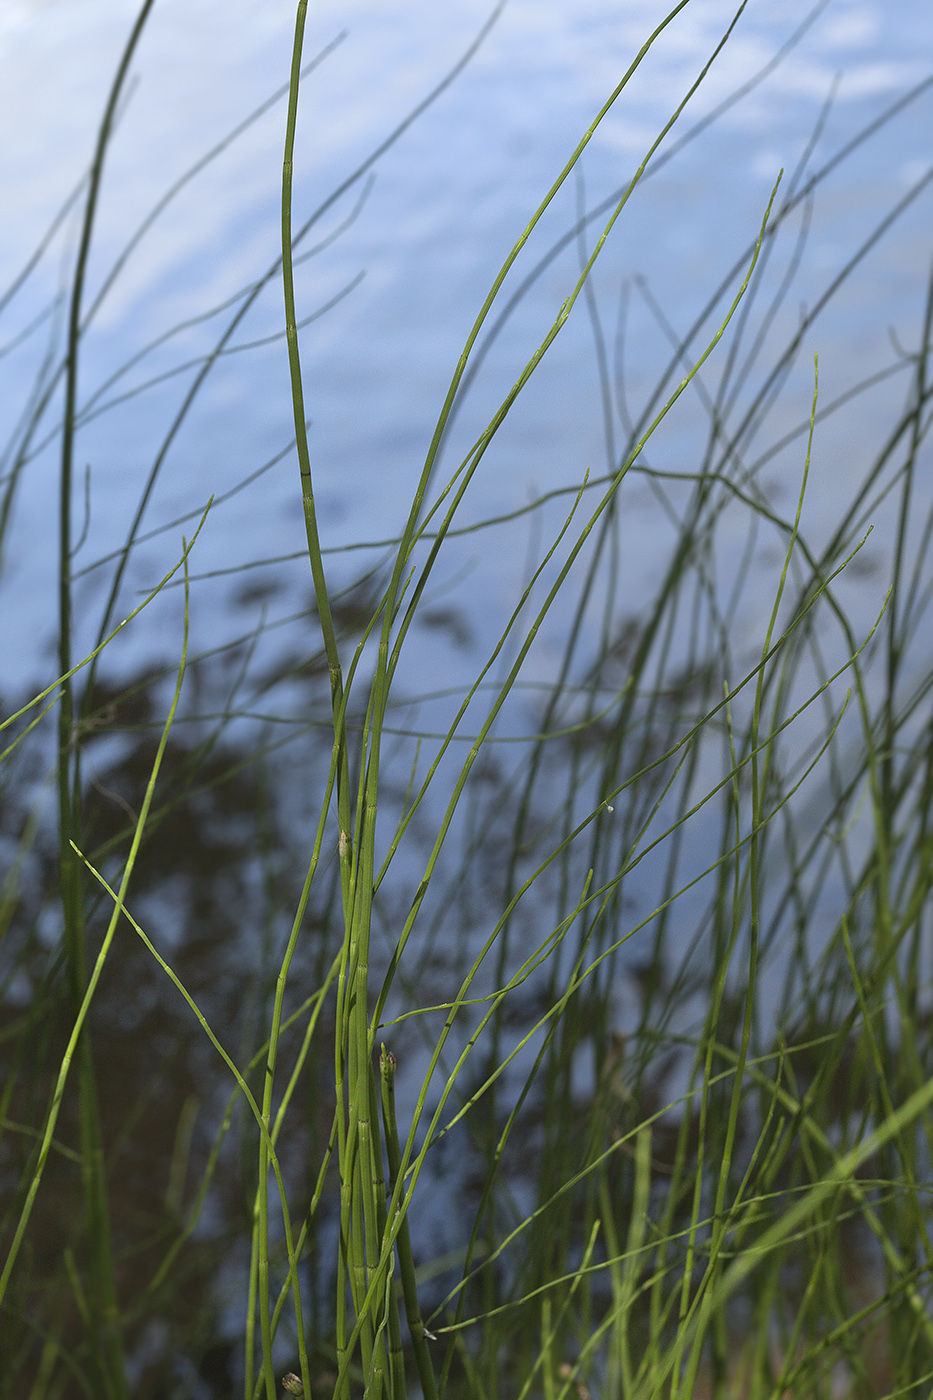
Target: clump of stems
[[652, 947]]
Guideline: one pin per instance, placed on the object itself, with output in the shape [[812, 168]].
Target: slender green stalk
[[403, 1240], [76, 1033], [105, 1339]]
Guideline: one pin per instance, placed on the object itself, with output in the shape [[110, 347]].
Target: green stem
[[403, 1239], [105, 1339]]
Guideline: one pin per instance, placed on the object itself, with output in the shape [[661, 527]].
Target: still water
[[410, 271]]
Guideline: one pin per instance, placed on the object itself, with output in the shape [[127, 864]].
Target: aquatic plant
[[636, 914]]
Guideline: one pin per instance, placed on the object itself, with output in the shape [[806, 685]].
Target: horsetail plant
[[568, 906]]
